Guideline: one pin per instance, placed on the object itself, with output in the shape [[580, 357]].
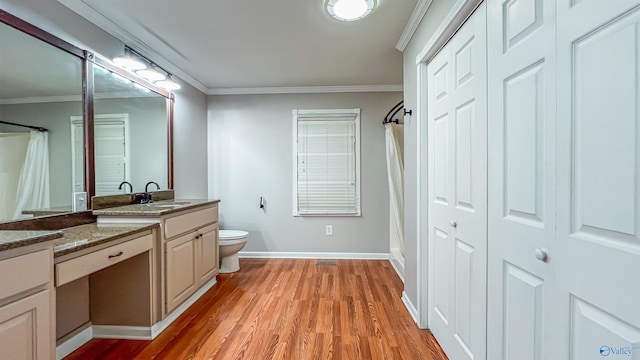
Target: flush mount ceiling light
[[134, 62], [349, 10]]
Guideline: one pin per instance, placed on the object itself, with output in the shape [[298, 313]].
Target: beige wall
[[432, 20], [251, 155]]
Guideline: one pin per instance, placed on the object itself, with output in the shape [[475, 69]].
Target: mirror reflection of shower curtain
[[33, 186], [394, 139], [13, 149]]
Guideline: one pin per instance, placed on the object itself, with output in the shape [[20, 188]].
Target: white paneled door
[[457, 139], [564, 170], [522, 173], [597, 255]]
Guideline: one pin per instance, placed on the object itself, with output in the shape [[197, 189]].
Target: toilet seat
[[225, 235]]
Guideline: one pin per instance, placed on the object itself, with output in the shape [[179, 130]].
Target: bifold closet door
[[522, 173], [457, 138], [597, 256]]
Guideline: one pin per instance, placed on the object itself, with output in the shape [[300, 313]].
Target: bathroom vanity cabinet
[[187, 249], [27, 316]]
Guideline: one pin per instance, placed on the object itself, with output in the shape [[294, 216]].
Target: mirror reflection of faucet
[[146, 187], [127, 183]]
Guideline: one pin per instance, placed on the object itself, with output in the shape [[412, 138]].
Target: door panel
[[457, 191], [598, 185], [522, 167]]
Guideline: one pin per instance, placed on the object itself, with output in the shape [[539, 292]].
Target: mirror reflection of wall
[[130, 135], [40, 86]]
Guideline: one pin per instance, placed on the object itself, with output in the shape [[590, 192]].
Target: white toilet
[[231, 241]]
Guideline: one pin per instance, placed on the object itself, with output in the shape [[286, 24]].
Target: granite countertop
[[85, 236], [158, 208], [11, 239], [48, 211]]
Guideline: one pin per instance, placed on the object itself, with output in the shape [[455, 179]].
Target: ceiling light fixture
[[133, 61], [349, 10]]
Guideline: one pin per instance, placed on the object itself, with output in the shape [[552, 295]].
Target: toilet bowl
[[231, 241]]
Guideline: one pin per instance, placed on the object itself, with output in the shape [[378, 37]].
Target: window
[[326, 162]]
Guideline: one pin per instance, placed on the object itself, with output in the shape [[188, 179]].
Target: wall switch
[[79, 201], [328, 230]]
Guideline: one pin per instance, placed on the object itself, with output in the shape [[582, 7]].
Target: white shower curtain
[[394, 137], [13, 149], [33, 186]]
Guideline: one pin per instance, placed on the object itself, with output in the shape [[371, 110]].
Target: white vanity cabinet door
[[207, 253], [25, 328], [181, 280]]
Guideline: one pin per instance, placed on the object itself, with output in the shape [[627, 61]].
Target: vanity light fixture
[[349, 10], [168, 83], [129, 61], [136, 63], [151, 74]]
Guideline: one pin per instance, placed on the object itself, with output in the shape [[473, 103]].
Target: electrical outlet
[[328, 230], [79, 201]]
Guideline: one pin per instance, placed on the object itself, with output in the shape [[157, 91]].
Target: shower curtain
[[33, 186], [13, 149], [394, 139]]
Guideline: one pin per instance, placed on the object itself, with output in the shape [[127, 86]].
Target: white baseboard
[[73, 343], [122, 332], [129, 332], [412, 309], [313, 255], [398, 265]]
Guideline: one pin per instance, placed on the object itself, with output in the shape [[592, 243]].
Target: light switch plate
[[79, 201]]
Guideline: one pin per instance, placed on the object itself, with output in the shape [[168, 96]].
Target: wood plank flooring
[[289, 309]]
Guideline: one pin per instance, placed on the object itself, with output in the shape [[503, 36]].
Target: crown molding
[[305, 90], [88, 12], [41, 99], [460, 12], [69, 98], [412, 25]]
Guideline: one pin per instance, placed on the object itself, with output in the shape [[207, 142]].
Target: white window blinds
[[327, 156]]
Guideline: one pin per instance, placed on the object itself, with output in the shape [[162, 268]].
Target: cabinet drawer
[[186, 222], [84, 265], [25, 272]]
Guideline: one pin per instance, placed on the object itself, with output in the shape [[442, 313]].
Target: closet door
[[597, 257], [457, 118], [522, 178]]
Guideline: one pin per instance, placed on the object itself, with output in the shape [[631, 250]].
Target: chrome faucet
[[146, 187], [128, 183]]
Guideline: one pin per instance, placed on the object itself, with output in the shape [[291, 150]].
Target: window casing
[[326, 162]]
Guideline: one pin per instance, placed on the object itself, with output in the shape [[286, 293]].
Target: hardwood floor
[[289, 309]]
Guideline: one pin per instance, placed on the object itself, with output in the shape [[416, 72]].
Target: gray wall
[[56, 118], [190, 114], [436, 13], [251, 155], [147, 137]]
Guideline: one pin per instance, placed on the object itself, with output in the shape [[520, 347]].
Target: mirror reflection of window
[[40, 89], [130, 133]]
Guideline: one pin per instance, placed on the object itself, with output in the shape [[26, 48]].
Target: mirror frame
[[88, 62]]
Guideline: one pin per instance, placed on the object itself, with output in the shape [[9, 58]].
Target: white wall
[[190, 117], [251, 155], [436, 13]]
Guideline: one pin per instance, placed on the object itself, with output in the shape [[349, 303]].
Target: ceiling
[[230, 44]]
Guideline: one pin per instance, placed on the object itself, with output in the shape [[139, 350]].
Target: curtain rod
[[27, 126], [392, 113]]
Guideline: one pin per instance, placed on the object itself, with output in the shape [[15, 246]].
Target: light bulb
[[151, 74], [350, 9], [168, 84], [129, 63]]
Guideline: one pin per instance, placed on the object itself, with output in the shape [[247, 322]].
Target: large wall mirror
[[51, 94], [130, 134]]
